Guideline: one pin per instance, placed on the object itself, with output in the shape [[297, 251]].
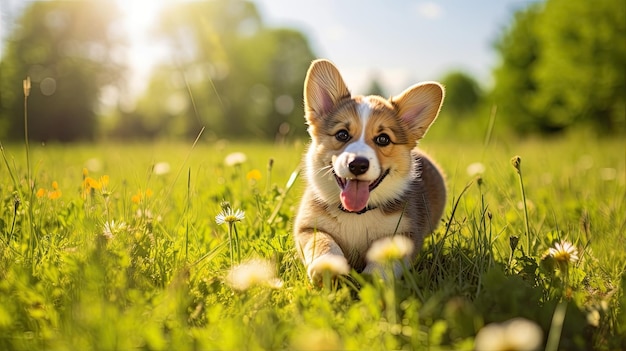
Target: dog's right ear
[[323, 89]]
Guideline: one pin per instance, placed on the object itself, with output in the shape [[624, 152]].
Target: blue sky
[[401, 42]]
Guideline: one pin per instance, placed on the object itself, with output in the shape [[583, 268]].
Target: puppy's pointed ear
[[323, 89], [418, 106]]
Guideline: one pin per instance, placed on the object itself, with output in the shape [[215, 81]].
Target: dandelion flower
[[253, 175], [161, 168], [334, 264], [475, 169], [235, 159], [136, 198], [228, 216], [563, 252], [55, 194], [41, 193], [391, 248], [252, 273], [517, 334], [91, 183]]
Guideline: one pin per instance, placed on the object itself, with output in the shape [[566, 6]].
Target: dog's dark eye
[[382, 140], [342, 135]]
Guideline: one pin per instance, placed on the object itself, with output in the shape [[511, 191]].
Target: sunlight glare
[[140, 16]]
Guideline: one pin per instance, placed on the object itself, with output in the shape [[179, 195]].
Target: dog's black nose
[[359, 166]]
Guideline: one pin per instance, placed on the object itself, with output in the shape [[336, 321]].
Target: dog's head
[[361, 146]]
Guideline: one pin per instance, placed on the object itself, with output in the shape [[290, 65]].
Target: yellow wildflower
[[55, 194], [91, 183], [140, 195], [253, 175]]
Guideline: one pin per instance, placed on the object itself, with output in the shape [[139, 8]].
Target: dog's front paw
[[330, 264]]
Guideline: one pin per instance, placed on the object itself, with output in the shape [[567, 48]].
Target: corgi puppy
[[366, 180]]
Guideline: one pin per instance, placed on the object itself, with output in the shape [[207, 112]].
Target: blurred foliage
[[228, 73], [562, 65], [70, 50], [463, 94], [376, 88]]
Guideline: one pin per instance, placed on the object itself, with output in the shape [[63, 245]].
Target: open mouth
[[355, 193]]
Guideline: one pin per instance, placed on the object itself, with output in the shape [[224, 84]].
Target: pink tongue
[[355, 195]]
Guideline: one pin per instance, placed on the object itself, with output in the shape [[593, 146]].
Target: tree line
[[561, 67]]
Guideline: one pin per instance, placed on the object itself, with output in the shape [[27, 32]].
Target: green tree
[[463, 94], [228, 73], [514, 85], [563, 65], [71, 51]]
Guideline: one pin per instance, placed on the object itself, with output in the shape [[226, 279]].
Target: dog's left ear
[[323, 89], [419, 105]]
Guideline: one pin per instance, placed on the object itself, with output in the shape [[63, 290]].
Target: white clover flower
[[517, 334], [564, 252], [252, 273], [391, 248], [161, 168], [235, 158], [475, 169], [228, 216]]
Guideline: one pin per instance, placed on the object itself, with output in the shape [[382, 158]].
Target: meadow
[[182, 246]]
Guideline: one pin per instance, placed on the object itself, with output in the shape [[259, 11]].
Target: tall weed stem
[[516, 161], [29, 180]]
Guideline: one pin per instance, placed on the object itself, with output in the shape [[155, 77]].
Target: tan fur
[[408, 201]]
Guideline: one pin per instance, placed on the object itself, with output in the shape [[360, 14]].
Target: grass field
[[116, 247]]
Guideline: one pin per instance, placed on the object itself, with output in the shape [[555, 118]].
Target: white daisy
[[564, 251], [228, 216]]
